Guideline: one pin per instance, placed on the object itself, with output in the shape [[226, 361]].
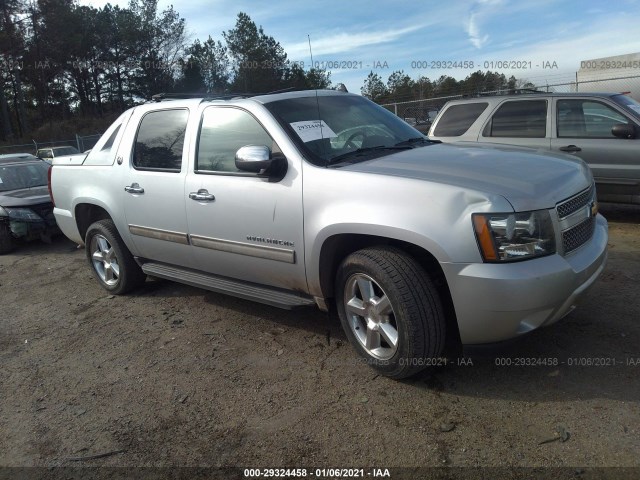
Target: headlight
[[504, 237], [23, 214], [3, 212]]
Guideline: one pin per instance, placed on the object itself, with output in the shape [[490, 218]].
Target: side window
[[457, 119], [160, 139], [524, 118], [112, 138], [222, 132], [103, 152], [586, 119]]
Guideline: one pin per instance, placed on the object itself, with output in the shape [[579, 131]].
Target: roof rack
[[158, 97], [528, 90], [506, 91]]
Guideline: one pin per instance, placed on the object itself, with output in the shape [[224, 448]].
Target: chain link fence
[[421, 113], [82, 143]]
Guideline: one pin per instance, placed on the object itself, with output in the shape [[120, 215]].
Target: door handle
[[202, 195], [134, 188], [570, 149]]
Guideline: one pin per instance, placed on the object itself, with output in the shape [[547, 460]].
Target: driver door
[[241, 224]]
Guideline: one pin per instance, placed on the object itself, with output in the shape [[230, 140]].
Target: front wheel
[[390, 311], [111, 262]]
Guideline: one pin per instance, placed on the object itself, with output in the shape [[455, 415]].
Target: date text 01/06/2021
[[316, 472]]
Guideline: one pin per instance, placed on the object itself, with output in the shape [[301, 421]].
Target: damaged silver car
[[26, 210]]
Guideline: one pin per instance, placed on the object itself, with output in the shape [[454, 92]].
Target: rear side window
[[112, 138], [457, 119], [524, 119], [160, 140], [104, 151]]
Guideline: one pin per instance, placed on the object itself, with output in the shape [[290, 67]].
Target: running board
[[249, 291]]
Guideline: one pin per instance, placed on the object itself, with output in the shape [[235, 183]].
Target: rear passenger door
[[524, 123], [153, 186]]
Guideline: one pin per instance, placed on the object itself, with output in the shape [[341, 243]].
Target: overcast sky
[[358, 36]]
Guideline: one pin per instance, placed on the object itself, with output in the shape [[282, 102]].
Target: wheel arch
[[337, 247], [88, 213]]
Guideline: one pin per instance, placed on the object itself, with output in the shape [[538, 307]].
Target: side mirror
[[258, 158], [623, 130]]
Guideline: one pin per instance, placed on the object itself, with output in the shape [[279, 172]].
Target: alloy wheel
[[371, 316], [104, 260]]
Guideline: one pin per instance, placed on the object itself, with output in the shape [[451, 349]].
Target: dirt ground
[[176, 376]]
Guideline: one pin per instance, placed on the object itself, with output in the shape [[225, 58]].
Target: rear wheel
[[390, 311], [110, 259]]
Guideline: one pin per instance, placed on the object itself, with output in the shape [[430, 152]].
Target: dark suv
[[26, 210], [603, 129]]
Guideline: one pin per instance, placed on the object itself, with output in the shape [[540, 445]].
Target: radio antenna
[[310, 52], [317, 100]]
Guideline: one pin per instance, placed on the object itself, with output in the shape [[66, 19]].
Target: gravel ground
[[176, 376]]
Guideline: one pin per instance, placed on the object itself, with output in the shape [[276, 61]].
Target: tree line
[[60, 60], [401, 87]]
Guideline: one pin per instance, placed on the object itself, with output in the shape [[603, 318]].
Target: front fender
[[432, 216]]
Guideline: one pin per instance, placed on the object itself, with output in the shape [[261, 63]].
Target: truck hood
[[25, 197], [527, 179]]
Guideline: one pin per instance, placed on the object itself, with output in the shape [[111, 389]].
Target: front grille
[[575, 203], [578, 235]]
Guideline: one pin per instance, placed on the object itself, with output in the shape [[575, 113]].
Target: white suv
[[603, 129]]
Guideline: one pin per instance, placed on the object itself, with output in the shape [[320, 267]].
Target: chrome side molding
[[261, 251], [158, 234]]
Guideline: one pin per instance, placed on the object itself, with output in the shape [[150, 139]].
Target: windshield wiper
[[363, 151], [416, 140]]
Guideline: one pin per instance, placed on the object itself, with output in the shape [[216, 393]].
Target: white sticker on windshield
[[0, 180], [311, 130]]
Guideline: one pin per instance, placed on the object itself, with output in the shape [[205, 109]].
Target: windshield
[[628, 103], [15, 177], [329, 128]]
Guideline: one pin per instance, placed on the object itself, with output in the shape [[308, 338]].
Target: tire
[[110, 260], [383, 294], [7, 243]]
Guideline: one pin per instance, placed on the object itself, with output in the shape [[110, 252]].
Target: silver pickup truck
[[322, 197]]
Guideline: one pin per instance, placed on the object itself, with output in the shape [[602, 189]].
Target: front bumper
[[496, 302]]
